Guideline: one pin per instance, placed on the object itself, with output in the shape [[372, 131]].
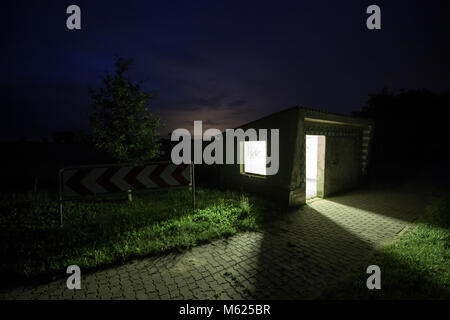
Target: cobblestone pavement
[[294, 258]]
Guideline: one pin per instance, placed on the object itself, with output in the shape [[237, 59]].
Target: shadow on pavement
[[317, 246]]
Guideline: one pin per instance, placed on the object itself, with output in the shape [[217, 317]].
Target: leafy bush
[[245, 205]]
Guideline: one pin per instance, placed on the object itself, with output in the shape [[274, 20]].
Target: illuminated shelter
[[340, 148]]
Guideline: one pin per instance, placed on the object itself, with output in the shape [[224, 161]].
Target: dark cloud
[[225, 62]]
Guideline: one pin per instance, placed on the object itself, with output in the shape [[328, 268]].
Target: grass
[[103, 232], [415, 266]]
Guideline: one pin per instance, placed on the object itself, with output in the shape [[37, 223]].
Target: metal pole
[[61, 211], [193, 184]]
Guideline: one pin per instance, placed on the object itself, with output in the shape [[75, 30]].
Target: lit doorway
[[315, 166]]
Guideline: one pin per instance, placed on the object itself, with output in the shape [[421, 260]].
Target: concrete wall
[[342, 164], [297, 184], [321, 166], [275, 186], [343, 167]]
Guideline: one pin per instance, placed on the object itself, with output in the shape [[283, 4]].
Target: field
[[110, 231]]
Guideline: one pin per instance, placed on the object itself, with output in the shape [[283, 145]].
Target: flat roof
[[319, 116], [312, 115]]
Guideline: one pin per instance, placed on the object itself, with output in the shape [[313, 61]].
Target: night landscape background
[[228, 63], [225, 63]]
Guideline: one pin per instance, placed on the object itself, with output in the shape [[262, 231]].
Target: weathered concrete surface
[[295, 258], [343, 138], [342, 164]]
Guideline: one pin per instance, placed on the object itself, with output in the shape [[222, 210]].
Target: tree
[[122, 124], [410, 132]]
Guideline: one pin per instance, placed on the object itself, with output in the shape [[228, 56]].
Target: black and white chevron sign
[[98, 180]]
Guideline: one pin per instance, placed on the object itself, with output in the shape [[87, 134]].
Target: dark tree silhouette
[[410, 131], [123, 125]]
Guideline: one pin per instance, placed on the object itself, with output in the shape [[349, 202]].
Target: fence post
[[60, 211], [193, 184]]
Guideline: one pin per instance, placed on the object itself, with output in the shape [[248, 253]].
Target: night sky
[[223, 62]]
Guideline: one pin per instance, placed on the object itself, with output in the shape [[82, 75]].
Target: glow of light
[[311, 165], [255, 153]]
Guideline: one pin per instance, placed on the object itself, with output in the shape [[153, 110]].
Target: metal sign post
[[60, 211], [193, 184]]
